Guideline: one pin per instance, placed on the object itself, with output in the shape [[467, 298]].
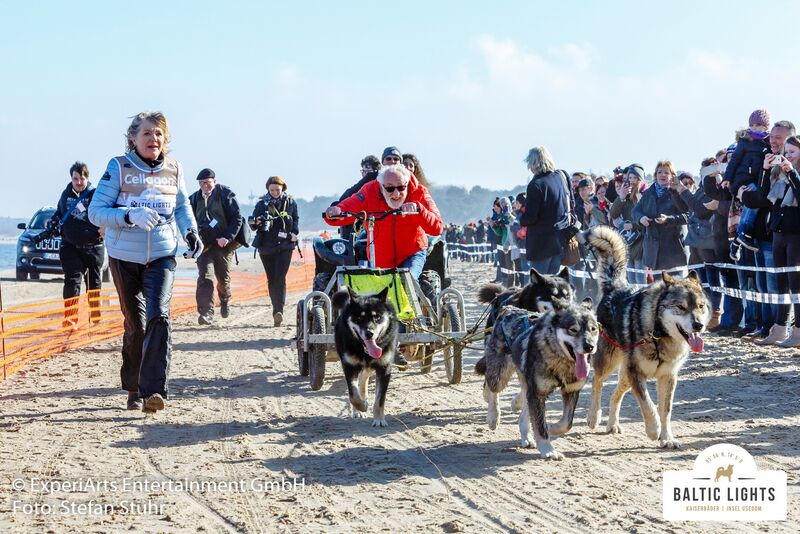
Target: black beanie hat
[[391, 151], [205, 174]]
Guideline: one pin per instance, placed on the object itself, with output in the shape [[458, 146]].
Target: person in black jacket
[[547, 201], [277, 224], [81, 244], [218, 220]]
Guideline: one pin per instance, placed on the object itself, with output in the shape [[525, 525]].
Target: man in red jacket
[[400, 240]]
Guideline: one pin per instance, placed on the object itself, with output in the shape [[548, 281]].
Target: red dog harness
[[623, 347]]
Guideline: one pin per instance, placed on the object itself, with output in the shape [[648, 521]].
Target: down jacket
[[663, 243], [131, 243], [397, 236]]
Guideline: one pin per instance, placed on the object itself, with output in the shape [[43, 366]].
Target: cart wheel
[[302, 356], [317, 351], [427, 359], [431, 286], [451, 320]]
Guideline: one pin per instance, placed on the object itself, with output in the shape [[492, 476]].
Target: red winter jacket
[[397, 236]]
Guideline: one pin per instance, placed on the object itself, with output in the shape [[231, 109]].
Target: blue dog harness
[[505, 326]]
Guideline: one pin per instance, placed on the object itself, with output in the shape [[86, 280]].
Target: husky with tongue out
[[366, 339], [547, 351], [647, 333]]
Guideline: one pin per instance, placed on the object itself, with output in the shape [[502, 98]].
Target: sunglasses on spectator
[[392, 188], [392, 159]]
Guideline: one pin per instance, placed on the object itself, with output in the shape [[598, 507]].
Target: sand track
[[239, 411]]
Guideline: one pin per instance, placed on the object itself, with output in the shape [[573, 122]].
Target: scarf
[[758, 135], [660, 189], [782, 192]]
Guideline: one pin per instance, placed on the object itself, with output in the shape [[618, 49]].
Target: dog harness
[[628, 347], [506, 326]]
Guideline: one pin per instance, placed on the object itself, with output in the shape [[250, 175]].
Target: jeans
[[276, 265], [747, 282], [549, 265], [75, 261], [213, 263], [732, 314], [766, 282], [636, 278], [144, 295], [415, 263], [710, 276]]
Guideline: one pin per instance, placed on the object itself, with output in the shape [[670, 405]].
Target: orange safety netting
[[42, 329]]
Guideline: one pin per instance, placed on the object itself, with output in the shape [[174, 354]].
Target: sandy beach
[[239, 412]]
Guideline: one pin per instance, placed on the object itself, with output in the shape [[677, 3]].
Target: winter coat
[[284, 222], [397, 236], [218, 217], [77, 230], [131, 243], [663, 243], [545, 206], [746, 162], [782, 219], [623, 207]]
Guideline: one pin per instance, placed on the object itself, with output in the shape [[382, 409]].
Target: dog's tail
[[488, 292], [612, 255], [480, 366], [340, 299]]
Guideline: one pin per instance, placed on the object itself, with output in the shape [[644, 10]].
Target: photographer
[[219, 220], [277, 225], [81, 243]]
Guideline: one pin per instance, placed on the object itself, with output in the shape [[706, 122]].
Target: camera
[[259, 224], [53, 230]]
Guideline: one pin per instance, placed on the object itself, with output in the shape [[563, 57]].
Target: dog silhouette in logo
[[722, 472]]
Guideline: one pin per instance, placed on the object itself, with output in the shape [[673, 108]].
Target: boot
[[792, 341], [776, 333], [714, 322]]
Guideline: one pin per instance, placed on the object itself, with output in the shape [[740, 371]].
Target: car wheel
[[34, 275], [21, 275]]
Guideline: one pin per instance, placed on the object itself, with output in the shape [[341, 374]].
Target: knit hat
[[391, 151], [760, 117], [635, 168], [205, 174]]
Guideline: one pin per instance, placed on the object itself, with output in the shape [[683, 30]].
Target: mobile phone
[[777, 160]]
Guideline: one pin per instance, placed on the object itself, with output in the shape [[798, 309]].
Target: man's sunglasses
[[392, 159], [392, 188]]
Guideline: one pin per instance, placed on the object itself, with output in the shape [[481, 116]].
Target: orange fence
[[42, 329]]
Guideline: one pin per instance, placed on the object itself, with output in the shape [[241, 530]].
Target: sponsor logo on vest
[[154, 199], [724, 485], [147, 179]]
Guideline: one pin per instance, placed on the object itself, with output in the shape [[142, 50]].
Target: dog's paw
[[593, 419], [551, 455], [516, 403], [359, 404], [614, 429], [668, 442], [380, 422], [525, 443], [355, 414], [491, 418], [557, 429], [652, 430]]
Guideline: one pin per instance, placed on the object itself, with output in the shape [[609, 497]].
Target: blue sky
[[305, 89]]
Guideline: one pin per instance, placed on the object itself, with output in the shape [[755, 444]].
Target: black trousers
[[213, 263], [75, 261], [144, 295], [276, 266], [786, 253]]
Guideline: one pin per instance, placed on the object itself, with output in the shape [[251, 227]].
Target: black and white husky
[[366, 340], [547, 351]]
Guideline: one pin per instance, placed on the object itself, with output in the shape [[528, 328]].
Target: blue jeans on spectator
[[732, 314], [636, 278], [415, 263], [747, 220], [766, 283], [747, 282], [549, 265]]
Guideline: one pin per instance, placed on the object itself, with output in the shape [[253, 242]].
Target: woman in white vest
[[141, 201]]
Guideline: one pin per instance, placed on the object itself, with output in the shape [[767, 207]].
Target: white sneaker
[[776, 334], [792, 341]]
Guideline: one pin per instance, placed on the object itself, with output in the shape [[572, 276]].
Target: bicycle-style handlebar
[[362, 215]]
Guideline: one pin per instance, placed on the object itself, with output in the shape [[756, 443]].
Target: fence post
[[3, 330]]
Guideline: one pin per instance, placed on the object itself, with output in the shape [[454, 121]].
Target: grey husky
[[547, 351], [646, 334]]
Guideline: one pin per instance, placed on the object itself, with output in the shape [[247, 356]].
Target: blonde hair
[[665, 163], [155, 117]]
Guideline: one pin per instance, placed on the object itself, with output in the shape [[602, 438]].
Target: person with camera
[[627, 186], [277, 226], [664, 223], [81, 244], [779, 191], [142, 204], [219, 220]]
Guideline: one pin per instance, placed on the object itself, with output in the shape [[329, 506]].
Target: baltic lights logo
[[724, 485]]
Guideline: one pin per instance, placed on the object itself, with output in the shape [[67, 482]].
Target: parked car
[[36, 258]]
